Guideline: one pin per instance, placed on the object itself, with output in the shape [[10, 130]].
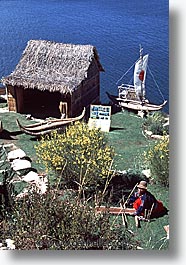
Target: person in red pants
[[145, 204]]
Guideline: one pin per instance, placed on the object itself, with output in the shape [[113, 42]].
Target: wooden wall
[[88, 91], [15, 98]]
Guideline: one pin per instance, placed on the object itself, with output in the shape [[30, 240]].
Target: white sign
[[100, 117]]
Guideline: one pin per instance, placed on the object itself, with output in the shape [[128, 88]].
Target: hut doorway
[[41, 104]]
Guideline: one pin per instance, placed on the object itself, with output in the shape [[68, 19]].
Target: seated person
[[145, 203]]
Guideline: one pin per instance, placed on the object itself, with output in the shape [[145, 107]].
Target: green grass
[[129, 143], [152, 235], [12, 134], [127, 139], [125, 136]]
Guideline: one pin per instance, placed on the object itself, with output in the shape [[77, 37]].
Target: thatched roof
[[52, 66]]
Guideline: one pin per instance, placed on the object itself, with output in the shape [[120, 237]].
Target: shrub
[[154, 123], [157, 159], [6, 187], [51, 222], [81, 155]]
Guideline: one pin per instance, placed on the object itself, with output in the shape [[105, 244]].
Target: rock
[[148, 133], [31, 176], [146, 173], [17, 153], [18, 164]]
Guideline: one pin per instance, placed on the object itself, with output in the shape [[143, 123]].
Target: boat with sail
[[45, 127], [133, 96]]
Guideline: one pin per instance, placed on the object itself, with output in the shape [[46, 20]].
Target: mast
[[141, 74]]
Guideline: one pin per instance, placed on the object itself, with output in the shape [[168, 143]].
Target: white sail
[[140, 70]]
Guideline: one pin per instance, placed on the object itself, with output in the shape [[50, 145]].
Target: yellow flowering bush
[[157, 159], [81, 155]]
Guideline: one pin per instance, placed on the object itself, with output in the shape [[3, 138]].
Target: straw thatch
[[47, 65]]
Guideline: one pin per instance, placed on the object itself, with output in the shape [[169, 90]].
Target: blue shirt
[[144, 201]]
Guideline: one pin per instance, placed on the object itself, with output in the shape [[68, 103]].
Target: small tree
[[81, 155], [157, 159]]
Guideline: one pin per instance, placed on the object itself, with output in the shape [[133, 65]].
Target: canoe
[[45, 127]]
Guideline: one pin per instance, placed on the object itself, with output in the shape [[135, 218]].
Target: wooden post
[[63, 108], [124, 218], [1, 126], [150, 212]]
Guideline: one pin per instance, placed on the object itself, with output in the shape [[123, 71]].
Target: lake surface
[[115, 28]]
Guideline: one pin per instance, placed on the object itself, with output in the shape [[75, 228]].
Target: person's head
[[142, 187]]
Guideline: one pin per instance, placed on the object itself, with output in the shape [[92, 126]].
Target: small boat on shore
[[135, 104], [133, 97], [45, 127]]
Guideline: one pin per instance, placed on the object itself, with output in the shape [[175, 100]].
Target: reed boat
[[45, 127]]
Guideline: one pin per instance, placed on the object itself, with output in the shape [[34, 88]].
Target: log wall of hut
[[11, 99], [15, 98], [88, 91]]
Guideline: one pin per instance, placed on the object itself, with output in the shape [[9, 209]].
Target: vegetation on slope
[[129, 143]]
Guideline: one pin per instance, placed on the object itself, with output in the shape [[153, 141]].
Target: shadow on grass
[[7, 135], [2, 100], [35, 138], [16, 133], [117, 129]]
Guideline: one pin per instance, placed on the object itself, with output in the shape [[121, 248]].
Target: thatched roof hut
[[54, 67]]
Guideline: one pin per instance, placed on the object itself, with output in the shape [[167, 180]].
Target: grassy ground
[[12, 134], [125, 136], [127, 139], [129, 143]]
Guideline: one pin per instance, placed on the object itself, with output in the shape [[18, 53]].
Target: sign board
[[100, 117]]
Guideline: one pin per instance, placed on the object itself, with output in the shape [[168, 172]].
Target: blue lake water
[[115, 27]]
